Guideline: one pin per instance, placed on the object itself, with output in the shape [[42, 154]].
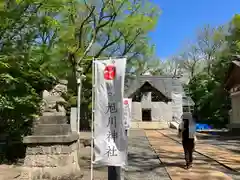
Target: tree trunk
[[72, 81]]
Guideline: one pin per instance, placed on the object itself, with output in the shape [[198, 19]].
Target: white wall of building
[[235, 99], [136, 111]]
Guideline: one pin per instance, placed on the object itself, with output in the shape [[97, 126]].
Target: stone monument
[[52, 149]]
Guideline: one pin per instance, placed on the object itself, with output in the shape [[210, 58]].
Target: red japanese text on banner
[[127, 112]]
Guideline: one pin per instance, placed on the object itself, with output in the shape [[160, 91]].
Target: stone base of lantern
[[52, 151]]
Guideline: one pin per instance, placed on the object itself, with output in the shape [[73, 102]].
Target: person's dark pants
[[188, 146]]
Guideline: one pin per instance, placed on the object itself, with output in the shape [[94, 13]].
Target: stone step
[[52, 129], [54, 114], [53, 120]]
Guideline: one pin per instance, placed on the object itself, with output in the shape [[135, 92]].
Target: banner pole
[[93, 108], [114, 173], [79, 84]]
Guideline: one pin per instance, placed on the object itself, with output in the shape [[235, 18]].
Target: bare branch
[[52, 39], [129, 45], [134, 55], [110, 20], [94, 36], [113, 51], [106, 45], [81, 27], [101, 14]]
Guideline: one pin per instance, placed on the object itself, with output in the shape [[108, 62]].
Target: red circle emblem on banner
[[125, 102], [109, 72]]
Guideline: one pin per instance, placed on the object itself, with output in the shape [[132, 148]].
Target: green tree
[[90, 29], [103, 29], [41, 41], [207, 87], [22, 76]]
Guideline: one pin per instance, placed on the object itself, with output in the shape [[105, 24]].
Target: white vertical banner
[[177, 106], [110, 140], [127, 112]]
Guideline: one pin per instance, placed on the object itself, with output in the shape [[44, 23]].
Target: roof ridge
[[163, 76]]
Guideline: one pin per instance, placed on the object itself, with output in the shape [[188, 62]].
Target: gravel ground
[[100, 172]]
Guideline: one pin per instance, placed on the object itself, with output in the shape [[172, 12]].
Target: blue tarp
[[203, 127]]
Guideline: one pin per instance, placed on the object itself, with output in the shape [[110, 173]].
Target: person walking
[[187, 131]]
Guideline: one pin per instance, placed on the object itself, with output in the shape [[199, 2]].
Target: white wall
[[157, 111], [146, 100], [136, 111], [161, 111], [235, 108], [177, 106]]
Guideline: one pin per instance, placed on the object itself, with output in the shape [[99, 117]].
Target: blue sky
[[181, 19]]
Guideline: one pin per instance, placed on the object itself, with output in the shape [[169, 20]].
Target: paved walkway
[[224, 140], [144, 150], [8, 172], [144, 164], [171, 154]]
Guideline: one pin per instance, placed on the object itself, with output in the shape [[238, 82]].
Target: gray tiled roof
[[236, 63], [165, 84], [187, 101]]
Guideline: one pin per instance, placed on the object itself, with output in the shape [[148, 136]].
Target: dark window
[[188, 109], [146, 115], [185, 109], [156, 97], [136, 97]]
